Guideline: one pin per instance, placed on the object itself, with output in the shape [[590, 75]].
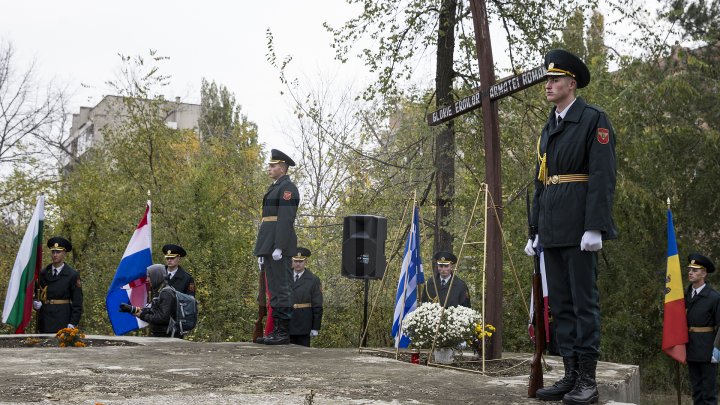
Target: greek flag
[[411, 275]]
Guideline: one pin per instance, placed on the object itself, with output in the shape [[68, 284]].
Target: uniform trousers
[[703, 376], [574, 300], [279, 284], [302, 340]]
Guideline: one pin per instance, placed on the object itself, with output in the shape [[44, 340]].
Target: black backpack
[[185, 314]]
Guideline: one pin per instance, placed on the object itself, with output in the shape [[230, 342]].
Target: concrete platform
[[174, 371]]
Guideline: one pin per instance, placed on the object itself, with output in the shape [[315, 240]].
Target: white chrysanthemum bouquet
[[458, 324]]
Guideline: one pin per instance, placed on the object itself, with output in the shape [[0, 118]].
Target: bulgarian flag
[[18, 301], [675, 329]]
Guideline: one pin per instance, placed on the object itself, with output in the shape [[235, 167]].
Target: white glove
[[71, 326], [260, 261], [532, 245], [462, 345], [37, 305], [277, 254], [591, 241], [715, 355], [314, 333]]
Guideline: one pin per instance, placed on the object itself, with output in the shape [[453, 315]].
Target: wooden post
[[494, 258]]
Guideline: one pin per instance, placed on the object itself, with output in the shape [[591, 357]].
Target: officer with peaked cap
[[276, 242], [571, 216], [702, 303], [59, 296], [449, 285], [179, 278], [308, 300]]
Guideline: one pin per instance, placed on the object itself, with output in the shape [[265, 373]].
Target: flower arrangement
[[458, 325], [70, 337]]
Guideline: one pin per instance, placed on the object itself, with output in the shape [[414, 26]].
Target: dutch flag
[[128, 285]]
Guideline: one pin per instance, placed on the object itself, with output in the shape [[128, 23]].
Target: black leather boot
[[556, 391], [585, 390], [282, 335], [261, 339]]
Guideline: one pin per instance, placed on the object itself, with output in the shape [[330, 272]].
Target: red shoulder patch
[[287, 195], [603, 135]]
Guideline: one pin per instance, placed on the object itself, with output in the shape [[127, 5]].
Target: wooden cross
[[485, 98]]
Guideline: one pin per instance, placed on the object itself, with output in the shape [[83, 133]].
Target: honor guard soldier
[[571, 216], [276, 242], [459, 294], [702, 303], [59, 297], [179, 279], [307, 295]]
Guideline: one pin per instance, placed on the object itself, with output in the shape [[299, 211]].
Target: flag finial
[[668, 202]]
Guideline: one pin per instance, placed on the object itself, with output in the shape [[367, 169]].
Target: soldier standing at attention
[[703, 318], [59, 298], [307, 295], [459, 293], [179, 279], [276, 241], [571, 216]]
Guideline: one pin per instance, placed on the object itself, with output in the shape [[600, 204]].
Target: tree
[[29, 114], [400, 31]]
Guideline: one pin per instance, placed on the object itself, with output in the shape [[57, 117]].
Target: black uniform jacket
[[281, 201], [460, 295], [182, 281], [162, 307], [306, 290], [703, 310], [64, 286], [583, 143]]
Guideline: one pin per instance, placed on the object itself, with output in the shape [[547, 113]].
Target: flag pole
[[677, 364], [677, 379], [405, 287]]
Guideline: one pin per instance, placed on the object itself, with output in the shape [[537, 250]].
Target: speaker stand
[[365, 314]]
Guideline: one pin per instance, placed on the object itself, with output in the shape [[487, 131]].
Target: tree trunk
[[445, 141]]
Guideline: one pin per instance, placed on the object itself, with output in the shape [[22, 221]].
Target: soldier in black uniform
[[459, 293], [59, 297], [571, 216], [180, 279], [276, 241], [162, 303], [703, 318], [307, 295]]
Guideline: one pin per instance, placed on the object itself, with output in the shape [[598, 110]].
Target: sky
[[76, 44]]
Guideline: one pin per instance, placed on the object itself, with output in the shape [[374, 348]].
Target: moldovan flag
[[675, 329], [18, 301], [129, 286]]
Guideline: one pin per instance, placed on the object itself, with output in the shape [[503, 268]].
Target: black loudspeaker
[[363, 250]]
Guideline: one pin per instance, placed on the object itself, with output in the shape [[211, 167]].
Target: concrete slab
[[174, 371]]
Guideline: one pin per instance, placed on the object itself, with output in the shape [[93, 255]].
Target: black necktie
[[442, 283], [694, 294], [559, 120], [55, 272], [297, 276]]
